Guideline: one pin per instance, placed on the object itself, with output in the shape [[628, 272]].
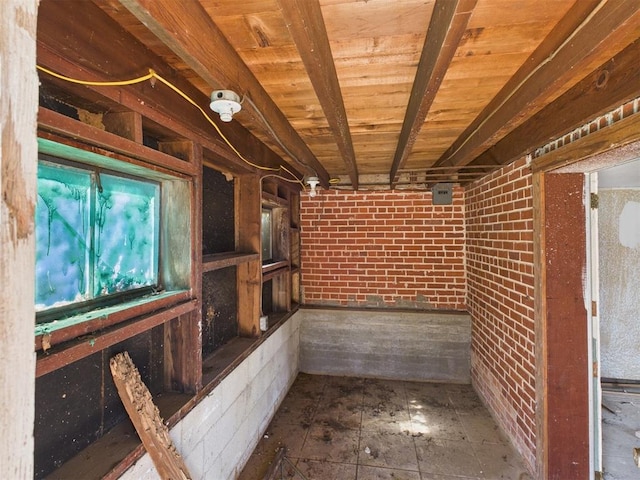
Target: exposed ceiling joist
[[187, 29], [306, 25], [593, 23], [482, 88], [88, 57], [448, 23], [612, 84]]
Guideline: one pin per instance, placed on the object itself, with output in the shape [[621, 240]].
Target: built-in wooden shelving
[[217, 261]]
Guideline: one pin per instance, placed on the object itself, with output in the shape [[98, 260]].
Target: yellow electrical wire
[[148, 76], [153, 74]]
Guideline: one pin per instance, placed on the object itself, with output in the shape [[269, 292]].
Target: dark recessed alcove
[[219, 308], [267, 297], [79, 403], [218, 219]]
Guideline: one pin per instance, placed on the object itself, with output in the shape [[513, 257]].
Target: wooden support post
[[146, 419], [183, 353], [248, 204], [182, 336], [18, 166], [282, 292]]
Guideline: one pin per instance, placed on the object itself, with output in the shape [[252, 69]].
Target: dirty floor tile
[[341, 428]]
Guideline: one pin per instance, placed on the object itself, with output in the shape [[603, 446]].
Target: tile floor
[[353, 428], [620, 422]]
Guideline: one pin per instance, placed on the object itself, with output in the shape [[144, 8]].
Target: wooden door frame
[[561, 315]]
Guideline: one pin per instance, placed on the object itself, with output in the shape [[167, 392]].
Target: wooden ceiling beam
[[610, 85], [446, 27], [577, 39], [188, 30], [82, 53], [306, 25]]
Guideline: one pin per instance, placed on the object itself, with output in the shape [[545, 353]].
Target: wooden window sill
[[85, 345], [59, 331]]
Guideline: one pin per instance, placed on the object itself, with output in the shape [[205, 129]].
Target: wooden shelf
[[217, 261], [274, 266], [283, 270]]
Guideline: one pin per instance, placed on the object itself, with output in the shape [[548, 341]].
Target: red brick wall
[[499, 215], [382, 249]]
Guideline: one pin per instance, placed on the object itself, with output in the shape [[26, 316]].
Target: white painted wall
[[619, 246], [18, 165], [217, 437]]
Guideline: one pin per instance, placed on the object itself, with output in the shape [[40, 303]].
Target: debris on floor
[[356, 428]]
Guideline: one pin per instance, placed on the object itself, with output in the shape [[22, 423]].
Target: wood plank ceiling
[[400, 93]]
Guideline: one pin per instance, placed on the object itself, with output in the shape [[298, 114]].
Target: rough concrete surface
[[386, 344]]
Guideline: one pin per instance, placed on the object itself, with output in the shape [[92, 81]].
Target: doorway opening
[[570, 300], [618, 284]]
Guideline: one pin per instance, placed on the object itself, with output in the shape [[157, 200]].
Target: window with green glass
[[97, 235]]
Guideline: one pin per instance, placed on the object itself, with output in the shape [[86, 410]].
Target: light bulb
[[313, 183]]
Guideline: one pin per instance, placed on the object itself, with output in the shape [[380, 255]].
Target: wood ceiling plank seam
[[575, 40], [306, 25], [446, 27], [357, 19], [193, 35]]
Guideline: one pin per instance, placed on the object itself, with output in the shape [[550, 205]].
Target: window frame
[[174, 269], [95, 302]]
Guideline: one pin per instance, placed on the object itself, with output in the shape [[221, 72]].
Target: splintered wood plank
[[146, 419]]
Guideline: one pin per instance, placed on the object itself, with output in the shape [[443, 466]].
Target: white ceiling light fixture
[[313, 183], [226, 103]]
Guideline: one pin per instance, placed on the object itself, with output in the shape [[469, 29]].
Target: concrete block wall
[[382, 249], [419, 346], [217, 437], [499, 224]]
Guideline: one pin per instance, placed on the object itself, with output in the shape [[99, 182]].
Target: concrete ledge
[[419, 346]]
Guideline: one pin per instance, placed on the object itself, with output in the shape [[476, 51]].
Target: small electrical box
[[442, 193], [264, 323]]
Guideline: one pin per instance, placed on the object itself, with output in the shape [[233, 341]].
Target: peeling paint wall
[[619, 245]]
